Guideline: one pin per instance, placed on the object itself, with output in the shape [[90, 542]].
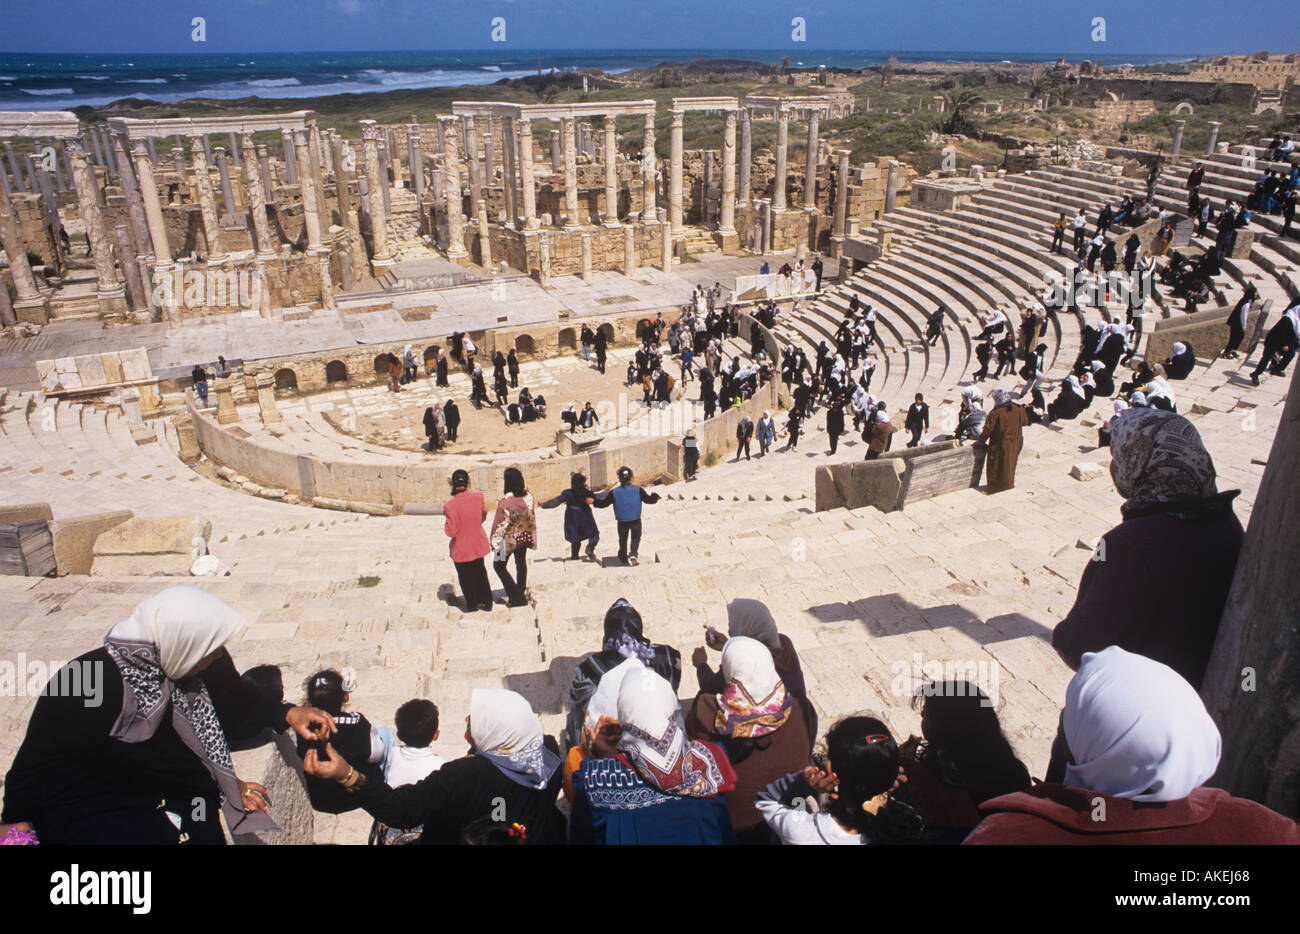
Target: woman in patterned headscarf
[[129, 742], [764, 728], [624, 639], [1158, 581]]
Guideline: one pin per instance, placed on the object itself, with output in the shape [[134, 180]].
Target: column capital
[[74, 146], [369, 129], [676, 116], [611, 120], [730, 117]]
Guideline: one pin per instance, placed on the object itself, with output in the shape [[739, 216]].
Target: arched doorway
[[524, 344], [608, 331], [336, 372], [567, 339], [286, 378], [383, 362]]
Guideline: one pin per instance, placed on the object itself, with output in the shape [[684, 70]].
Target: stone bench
[[899, 477]]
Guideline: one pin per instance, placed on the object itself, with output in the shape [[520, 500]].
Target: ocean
[[61, 82]]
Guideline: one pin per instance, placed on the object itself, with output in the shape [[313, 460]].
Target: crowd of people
[[743, 761]]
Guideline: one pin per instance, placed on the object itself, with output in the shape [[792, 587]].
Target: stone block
[[112, 364], [74, 539], [163, 546], [90, 370], [853, 486], [25, 512], [135, 364], [277, 766], [1087, 471]]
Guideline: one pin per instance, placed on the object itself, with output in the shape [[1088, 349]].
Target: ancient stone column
[[311, 217], [484, 236], [264, 242], [111, 294], [178, 160], [675, 170], [374, 197], [1177, 147], [767, 227], [8, 316], [385, 183], [490, 150], [840, 221], [476, 181], [235, 150], [16, 250], [264, 162], [586, 257], [451, 175], [224, 387], [629, 249], [290, 157], [526, 185], [891, 186], [557, 152], [207, 203], [746, 154], [510, 155], [782, 140], [341, 177], [611, 171], [666, 247], [810, 171], [59, 162], [315, 147], [544, 260], [20, 183], [1214, 137], [648, 214], [571, 219], [134, 205], [727, 209], [415, 158], [130, 268], [266, 408], [223, 167], [326, 279]]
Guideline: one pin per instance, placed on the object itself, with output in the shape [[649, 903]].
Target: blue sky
[[1157, 26]]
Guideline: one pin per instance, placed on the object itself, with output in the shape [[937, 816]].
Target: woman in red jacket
[[1141, 746], [464, 514]]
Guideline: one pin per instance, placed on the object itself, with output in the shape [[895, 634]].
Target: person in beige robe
[[1002, 435]]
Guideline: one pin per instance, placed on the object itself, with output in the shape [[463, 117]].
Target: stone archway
[[524, 344], [608, 331], [336, 371], [383, 362], [286, 378], [567, 339], [1184, 108], [431, 357]]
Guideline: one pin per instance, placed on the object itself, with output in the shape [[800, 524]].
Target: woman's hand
[[715, 640], [605, 743], [253, 796], [301, 719], [699, 656], [334, 768], [820, 781]]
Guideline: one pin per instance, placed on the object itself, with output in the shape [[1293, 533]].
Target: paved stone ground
[[379, 422]]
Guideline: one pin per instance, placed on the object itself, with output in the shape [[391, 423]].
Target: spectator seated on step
[[362, 746], [1180, 362]]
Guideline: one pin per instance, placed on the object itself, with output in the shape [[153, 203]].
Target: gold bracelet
[[347, 778], [357, 785]]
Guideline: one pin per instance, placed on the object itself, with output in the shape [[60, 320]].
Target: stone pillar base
[[837, 246], [380, 265], [727, 240], [33, 310], [110, 304]]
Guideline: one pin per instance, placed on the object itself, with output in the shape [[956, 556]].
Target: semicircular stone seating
[[964, 579]]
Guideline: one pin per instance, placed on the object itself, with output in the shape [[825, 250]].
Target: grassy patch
[[367, 580]]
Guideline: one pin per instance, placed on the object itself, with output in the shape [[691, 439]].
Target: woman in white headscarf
[[129, 743], [764, 728], [511, 775], [1141, 746], [1071, 400], [1182, 360], [752, 618]]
